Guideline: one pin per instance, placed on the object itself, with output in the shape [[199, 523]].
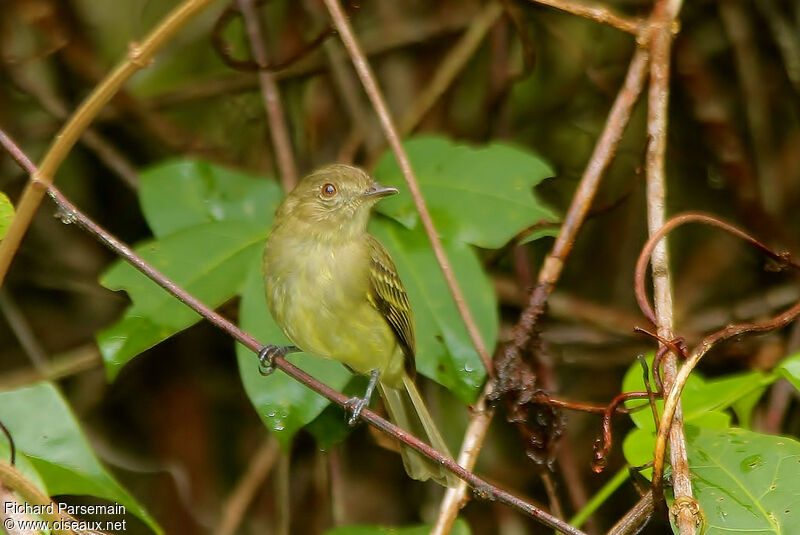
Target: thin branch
[[376, 97], [662, 20], [675, 387], [599, 14], [70, 214], [636, 519], [94, 141], [139, 57], [83, 358], [253, 478], [551, 270], [456, 497], [22, 329], [11, 478], [451, 65], [270, 93], [581, 201], [755, 99]]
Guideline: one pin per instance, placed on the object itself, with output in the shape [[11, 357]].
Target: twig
[[451, 65], [236, 505], [785, 37], [271, 96], [21, 328], [675, 387], [662, 20], [596, 13], [70, 214], [373, 92], [682, 219], [456, 497], [635, 519], [75, 361], [603, 152], [139, 56], [11, 478], [103, 149], [375, 42], [376, 97], [582, 200], [755, 99], [672, 400]]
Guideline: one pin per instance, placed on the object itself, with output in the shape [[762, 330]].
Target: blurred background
[[176, 428]]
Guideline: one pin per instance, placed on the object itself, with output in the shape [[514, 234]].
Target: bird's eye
[[328, 191]]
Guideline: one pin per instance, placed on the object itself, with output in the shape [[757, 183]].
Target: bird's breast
[[317, 294]]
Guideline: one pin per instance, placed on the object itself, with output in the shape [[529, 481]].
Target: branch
[[596, 13], [672, 399], [139, 56], [271, 96], [11, 478], [376, 97], [70, 214], [551, 270], [662, 21], [235, 506]]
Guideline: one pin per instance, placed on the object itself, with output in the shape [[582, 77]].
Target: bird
[[334, 290]]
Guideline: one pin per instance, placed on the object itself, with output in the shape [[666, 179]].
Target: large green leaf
[[6, 214], [210, 261], [444, 350], [283, 404], [460, 527], [53, 445], [745, 482], [183, 193], [483, 196]]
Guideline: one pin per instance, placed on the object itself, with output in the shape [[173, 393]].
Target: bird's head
[[337, 196]]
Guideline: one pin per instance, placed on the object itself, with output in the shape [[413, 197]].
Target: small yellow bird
[[334, 290]]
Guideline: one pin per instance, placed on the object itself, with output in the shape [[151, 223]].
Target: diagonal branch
[[70, 214], [376, 97]]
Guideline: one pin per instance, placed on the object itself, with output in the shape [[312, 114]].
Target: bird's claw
[[355, 406], [266, 358]]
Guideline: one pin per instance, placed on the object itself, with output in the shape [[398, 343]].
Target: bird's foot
[[355, 405], [267, 355]]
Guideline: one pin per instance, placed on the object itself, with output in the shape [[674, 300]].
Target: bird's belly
[[321, 304]]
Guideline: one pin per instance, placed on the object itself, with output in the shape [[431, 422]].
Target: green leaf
[[444, 350], [790, 369], [6, 214], [483, 196], [460, 527], [284, 404], [179, 194], [745, 482], [700, 398], [637, 447], [743, 407], [210, 261], [53, 445]]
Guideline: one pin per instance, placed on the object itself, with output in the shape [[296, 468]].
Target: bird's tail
[[408, 411]]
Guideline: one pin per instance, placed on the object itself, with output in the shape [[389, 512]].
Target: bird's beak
[[377, 191]]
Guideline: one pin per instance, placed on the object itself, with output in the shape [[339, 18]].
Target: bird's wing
[[389, 297]]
